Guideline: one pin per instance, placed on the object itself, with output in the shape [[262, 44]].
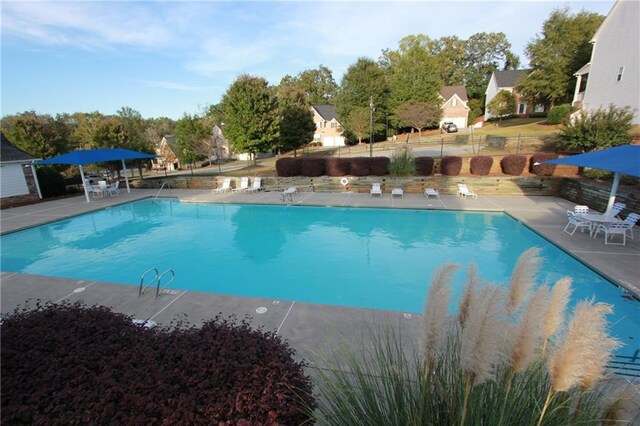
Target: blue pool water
[[356, 257]]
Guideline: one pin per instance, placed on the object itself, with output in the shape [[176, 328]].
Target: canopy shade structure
[[622, 160], [90, 156]]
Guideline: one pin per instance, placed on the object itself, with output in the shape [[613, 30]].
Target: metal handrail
[[173, 277], [142, 289], [160, 190]]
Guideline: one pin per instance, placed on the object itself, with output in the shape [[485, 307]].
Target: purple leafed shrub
[[542, 169], [360, 166], [513, 164], [287, 167], [69, 364], [312, 167], [424, 166], [451, 166], [338, 166], [380, 166], [481, 165]]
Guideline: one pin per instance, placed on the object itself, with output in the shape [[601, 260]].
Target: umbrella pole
[[126, 179], [612, 194], [84, 184]]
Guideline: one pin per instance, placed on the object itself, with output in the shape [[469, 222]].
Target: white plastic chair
[[244, 185], [577, 221], [430, 192], [465, 192], [397, 191], [619, 228], [375, 189], [581, 209], [226, 187], [114, 188]]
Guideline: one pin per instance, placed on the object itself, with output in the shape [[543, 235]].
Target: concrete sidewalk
[[306, 326]]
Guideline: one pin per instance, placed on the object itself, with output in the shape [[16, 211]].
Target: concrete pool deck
[[307, 327]]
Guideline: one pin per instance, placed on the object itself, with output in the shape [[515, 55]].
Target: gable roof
[[327, 112], [9, 152], [508, 78], [448, 91]]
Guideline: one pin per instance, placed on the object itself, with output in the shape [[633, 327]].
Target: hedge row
[[480, 165], [69, 364], [332, 166]]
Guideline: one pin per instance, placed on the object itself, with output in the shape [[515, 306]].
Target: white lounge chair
[[397, 191], [576, 221], [375, 189], [616, 209], [257, 185], [244, 185], [620, 228], [430, 192], [465, 192], [226, 187]]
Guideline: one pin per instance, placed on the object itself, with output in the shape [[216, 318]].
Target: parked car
[[449, 127]]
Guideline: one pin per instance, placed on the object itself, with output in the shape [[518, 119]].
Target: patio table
[[597, 219]]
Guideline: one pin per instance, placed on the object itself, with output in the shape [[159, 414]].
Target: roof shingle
[[9, 152]]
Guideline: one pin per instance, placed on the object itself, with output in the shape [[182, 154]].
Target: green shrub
[[51, 182], [604, 128], [559, 114], [402, 162], [489, 364]]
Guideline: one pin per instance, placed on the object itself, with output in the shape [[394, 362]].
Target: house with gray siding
[[18, 180]]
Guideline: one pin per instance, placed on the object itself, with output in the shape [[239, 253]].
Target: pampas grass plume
[[480, 338], [582, 358], [522, 279], [528, 333], [556, 309], [472, 283], [436, 317]]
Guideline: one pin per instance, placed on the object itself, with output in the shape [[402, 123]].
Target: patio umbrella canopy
[[90, 156], [622, 160]]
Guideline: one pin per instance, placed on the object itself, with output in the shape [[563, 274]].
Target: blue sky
[[168, 58]]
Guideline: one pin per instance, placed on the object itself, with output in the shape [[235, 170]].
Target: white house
[[18, 180], [328, 129], [508, 80], [612, 77]]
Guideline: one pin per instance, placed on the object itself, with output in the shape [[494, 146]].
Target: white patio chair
[[114, 188], [581, 209], [431, 192], [397, 191], [375, 189], [619, 228], [465, 192], [576, 221], [226, 187], [244, 185]]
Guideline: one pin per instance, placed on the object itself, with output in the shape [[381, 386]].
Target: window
[[454, 102], [620, 73], [334, 125], [521, 108]]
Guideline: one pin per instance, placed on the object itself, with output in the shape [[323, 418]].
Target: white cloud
[[84, 24], [175, 86]]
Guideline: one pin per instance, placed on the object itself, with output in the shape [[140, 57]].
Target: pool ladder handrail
[[157, 278], [160, 190]]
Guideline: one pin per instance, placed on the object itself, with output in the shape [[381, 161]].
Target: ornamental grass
[[505, 357]]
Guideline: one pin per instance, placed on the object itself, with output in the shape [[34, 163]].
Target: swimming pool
[[355, 257]]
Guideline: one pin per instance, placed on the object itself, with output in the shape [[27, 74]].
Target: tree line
[[399, 90]]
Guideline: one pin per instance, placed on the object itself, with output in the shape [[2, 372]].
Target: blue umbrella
[[622, 160], [90, 156]]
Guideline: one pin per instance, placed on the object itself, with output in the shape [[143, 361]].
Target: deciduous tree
[[193, 139], [555, 55], [318, 85], [251, 115], [39, 135], [419, 115], [604, 128], [358, 122], [503, 103]]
